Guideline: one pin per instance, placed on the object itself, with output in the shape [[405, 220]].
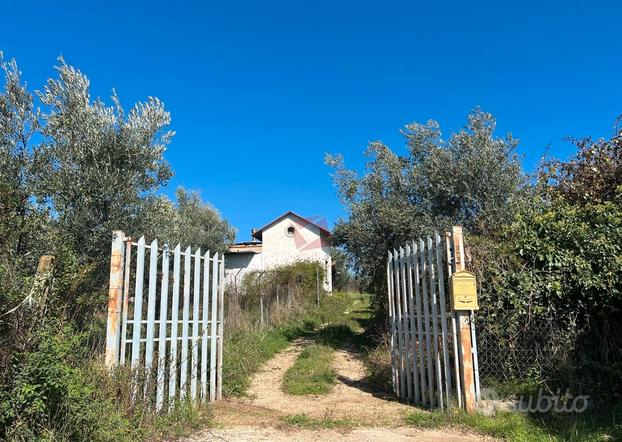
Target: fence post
[[114, 299], [317, 284], [464, 327]]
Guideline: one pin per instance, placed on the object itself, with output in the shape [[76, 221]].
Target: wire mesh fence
[[533, 351]]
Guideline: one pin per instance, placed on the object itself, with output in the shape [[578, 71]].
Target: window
[[290, 231]]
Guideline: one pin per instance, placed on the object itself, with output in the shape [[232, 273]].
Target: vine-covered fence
[[167, 330]]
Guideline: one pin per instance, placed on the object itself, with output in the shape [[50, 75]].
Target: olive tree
[[98, 162], [18, 123], [470, 179], [189, 221]]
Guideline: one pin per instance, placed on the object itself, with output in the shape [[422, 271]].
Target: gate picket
[[151, 305], [420, 338], [205, 325], [434, 305], [196, 299], [183, 376], [443, 305], [212, 363], [426, 316], [414, 338], [177, 373], [406, 327], [421, 366], [138, 302], [400, 325], [172, 384], [162, 331], [392, 324]]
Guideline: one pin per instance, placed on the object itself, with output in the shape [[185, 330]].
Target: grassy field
[[311, 373]]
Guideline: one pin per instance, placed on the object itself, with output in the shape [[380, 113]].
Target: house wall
[[279, 248], [307, 243], [239, 264]]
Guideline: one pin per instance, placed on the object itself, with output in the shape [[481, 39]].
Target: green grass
[[246, 350], [304, 421], [518, 427], [342, 319], [311, 373], [510, 426]]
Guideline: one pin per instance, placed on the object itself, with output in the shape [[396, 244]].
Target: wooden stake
[[466, 352]]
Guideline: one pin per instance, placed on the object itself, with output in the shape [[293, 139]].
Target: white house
[[287, 239]]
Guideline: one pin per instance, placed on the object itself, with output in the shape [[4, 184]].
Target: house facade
[[286, 239]]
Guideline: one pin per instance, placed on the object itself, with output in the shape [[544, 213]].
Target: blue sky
[[259, 91]]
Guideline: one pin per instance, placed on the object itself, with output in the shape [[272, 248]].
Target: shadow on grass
[[351, 335]]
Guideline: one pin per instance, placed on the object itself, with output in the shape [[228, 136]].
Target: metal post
[[261, 305], [464, 327], [317, 284], [114, 299]]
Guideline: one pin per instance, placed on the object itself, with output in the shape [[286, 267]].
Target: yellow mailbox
[[463, 290]]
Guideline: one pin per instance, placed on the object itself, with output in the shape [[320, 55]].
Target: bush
[[61, 392], [51, 395], [553, 281]]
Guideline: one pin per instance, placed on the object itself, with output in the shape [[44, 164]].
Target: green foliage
[[51, 395], [593, 175], [59, 392], [518, 427], [342, 275], [281, 288], [547, 254], [469, 179], [557, 263], [188, 221], [69, 175], [311, 373], [78, 169], [301, 274], [97, 161]]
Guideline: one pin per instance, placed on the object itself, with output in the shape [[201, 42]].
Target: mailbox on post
[[463, 290]]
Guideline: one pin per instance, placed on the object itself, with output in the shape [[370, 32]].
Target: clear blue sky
[[259, 91]]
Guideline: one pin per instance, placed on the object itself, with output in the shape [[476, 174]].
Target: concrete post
[[114, 299]]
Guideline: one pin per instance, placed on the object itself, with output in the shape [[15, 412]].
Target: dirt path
[[359, 412]]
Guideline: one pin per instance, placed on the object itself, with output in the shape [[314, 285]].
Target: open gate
[[168, 330], [433, 349]]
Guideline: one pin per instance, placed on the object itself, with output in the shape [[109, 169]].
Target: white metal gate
[[168, 327], [433, 349]]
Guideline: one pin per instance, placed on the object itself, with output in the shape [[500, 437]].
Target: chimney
[[253, 231]]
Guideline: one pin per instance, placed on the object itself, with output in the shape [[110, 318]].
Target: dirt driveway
[[353, 411]]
